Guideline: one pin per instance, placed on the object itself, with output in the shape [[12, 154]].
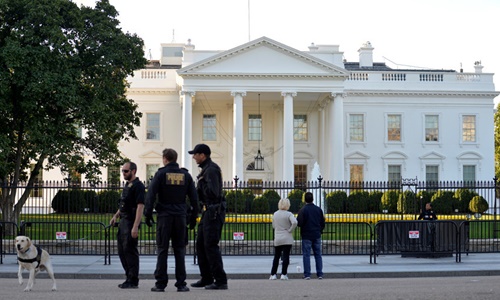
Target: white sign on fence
[[238, 236], [414, 234], [60, 235]]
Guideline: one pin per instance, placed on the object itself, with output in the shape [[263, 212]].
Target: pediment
[[433, 156], [469, 155], [263, 57], [150, 154], [395, 155], [357, 155]]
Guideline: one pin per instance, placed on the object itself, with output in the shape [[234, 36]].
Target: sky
[[431, 34]]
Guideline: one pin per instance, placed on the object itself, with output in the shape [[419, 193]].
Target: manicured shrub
[[72, 201], [407, 203], [443, 202], [260, 205], [374, 201], [357, 201], [389, 201], [236, 201], [463, 197], [108, 201], [478, 205], [272, 197], [295, 197], [336, 201]]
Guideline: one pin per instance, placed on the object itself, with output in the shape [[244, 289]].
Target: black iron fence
[[73, 218]]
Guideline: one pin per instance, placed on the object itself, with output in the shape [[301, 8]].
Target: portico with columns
[[290, 82]]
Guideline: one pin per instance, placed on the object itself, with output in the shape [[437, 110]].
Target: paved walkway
[[258, 267]]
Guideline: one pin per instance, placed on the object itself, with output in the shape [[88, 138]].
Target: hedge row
[[396, 201], [244, 201]]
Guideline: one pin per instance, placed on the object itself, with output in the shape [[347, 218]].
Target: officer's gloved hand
[[150, 221]]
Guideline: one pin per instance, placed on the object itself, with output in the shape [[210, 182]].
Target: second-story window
[[300, 127], [356, 128], [153, 126], [394, 128], [209, 127], [255, 127], [469, 128], [431, 128]]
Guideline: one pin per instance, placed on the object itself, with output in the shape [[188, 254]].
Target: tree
[[63, 70]]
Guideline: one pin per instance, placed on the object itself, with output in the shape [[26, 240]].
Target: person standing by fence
[[311, 222], [130, 212], [283, 223], [171, 184], [209, 188]]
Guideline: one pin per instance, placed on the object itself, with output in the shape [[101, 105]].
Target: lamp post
[[259, 159]]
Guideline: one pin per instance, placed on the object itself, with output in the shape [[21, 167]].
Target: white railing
[[153, 74]]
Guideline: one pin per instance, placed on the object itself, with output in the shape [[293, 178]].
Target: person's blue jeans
[[315, 245]]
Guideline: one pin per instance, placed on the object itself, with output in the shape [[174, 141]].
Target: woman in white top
[[283, 223]]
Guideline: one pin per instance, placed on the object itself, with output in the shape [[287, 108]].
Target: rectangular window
[[255, 127], [469, 128], [37, 190], [356, 173], [300, 175], [151, 171], [394, 128], [394, 175], [209, 127], [113, 175], [300, 127], [153, 126], [356, 128], [431, 128], [432, 173], [469, 174]]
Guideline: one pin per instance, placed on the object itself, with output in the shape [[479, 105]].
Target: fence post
[[321, 197]]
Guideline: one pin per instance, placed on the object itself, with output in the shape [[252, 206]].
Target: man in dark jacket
[[311, 222], [171, 184], [209, 188]]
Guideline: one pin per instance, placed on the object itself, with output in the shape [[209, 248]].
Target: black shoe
[[128, 285], [121, 284], [199, 284], [182, 288], [157, 288], [215, 286]]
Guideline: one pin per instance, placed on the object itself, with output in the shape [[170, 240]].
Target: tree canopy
[[63, 70]]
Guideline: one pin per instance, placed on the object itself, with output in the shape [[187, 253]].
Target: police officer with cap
[[209, 188], [171, 184]]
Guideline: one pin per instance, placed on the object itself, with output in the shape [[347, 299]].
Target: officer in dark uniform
[[171, 184], [209, 188], [130, 212], [429, 215]]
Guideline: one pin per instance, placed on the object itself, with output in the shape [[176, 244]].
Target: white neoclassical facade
[[308, 110]]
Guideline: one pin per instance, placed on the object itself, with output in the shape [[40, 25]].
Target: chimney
[[366, 55], [313, 47], [478, 67]]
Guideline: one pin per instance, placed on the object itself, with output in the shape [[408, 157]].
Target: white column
[[337, 137], [238, 134], [288, 170], [187, 130]]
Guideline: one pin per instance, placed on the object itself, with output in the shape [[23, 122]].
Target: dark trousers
[[127, 250], [281, 251], [207, 247], [171, 228]]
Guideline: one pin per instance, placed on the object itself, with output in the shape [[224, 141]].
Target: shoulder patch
[[175, 178]]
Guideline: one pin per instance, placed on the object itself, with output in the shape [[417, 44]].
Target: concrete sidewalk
[[258, 267]]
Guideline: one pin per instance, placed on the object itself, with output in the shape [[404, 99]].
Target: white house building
[[359, 121]]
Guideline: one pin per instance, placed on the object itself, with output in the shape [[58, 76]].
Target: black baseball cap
[[201, 148]]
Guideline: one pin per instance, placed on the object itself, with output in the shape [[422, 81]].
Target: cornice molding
[[151, 92], [265, 76], [424, 93]]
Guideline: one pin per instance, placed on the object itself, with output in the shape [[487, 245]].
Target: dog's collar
[[37, 258]]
